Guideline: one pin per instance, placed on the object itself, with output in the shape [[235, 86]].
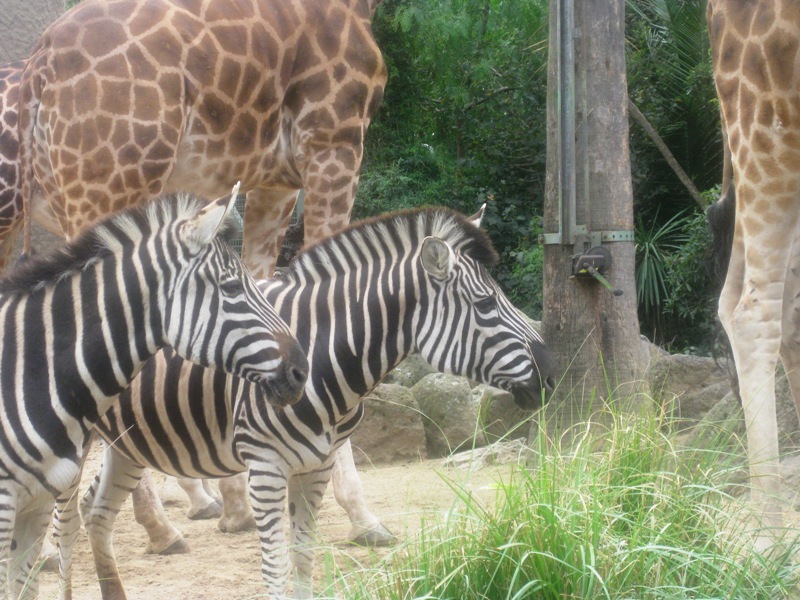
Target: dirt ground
[[227, 566]]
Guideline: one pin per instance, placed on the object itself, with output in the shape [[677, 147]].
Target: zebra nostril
[[297, 376], [549, 383]]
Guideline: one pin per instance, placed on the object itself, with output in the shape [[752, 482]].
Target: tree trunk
[[594, 334], [21, 24]]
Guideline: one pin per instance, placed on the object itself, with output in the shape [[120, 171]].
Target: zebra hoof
[[235, 523], [212, 511], [179, 546], [48, 564], [374, 538]]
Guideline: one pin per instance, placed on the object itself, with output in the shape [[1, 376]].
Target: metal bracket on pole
[[593, 265], [595, 237]]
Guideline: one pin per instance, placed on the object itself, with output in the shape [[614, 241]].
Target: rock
[[726, 418], [499, 453], [391, 430], [409, 372], [696, 384], [450, 414], [499, 415]]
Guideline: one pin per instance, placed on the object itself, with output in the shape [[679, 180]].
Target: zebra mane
[[125, 227], [409, 227]]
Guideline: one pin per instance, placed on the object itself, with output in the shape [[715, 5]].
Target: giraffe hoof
[[374, 538], [212, 511]]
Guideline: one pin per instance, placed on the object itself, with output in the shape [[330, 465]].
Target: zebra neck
[[355, 326], [106, 333]]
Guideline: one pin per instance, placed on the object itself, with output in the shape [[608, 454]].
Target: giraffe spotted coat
[[123, 100]]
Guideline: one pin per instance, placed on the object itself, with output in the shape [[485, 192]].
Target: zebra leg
[[268, 490], [149, 512], [29, 531], [203, 504], [305, 496], [365, 528], [8, 515], [66, 524], [237, 511], [99, 507]]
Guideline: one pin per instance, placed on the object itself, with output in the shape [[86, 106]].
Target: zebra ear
[[437, 257], [478, 216], [205, 225]]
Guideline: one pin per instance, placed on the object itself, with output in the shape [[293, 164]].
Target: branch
[[479, 101], [668, 156]]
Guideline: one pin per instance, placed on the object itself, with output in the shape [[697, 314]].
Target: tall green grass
[[619, 512]]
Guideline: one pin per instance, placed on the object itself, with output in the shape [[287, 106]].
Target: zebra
[[78, 325], [358, 303]]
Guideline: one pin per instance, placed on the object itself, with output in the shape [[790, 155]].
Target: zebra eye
[[232, 287], [486, 304]]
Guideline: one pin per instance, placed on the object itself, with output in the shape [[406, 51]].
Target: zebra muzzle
[[288, 384]]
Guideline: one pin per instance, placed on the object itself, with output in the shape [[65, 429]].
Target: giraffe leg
[[306, 491], [7, 241], [752, 317], [790, 341], [266, 216], [202, 504], [330, 182], [365, 527], [237, 512]]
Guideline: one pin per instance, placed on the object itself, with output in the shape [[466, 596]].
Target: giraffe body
[[123, 100], [756, 49]]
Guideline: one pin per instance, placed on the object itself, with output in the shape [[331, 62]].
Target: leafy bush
[[692, 299], [677, 298]]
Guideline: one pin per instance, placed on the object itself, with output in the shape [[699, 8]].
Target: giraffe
[[755, 49], [123, 100]]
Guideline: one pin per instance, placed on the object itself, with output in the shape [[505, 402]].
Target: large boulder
[[498, 453], [499, 415], [695, 384], [391, 430], [409, 372], [450, 414]]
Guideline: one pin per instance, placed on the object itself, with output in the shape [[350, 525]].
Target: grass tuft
[[618, 512]]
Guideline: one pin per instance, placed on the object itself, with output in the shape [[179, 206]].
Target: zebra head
[[468, 326], [216, 316]]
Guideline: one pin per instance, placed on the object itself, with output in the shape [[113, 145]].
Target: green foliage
[[525, 284], [654, 242], [691, 305], [463, 117], [622, 512], [670, 80], [677, 299]]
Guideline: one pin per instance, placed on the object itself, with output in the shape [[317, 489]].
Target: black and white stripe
[[77, 326], [358, 303]]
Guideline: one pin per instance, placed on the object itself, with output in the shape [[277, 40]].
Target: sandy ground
[[227, 566]]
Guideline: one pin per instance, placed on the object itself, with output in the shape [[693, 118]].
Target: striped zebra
[[358, 302], [77, 327]]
